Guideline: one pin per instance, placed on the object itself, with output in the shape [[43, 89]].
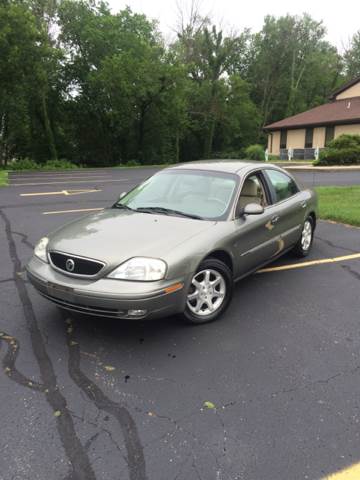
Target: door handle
[[274, 219], [303, 205]]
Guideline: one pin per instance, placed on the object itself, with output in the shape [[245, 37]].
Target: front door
[[254, 241]]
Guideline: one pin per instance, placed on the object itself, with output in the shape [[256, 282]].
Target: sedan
[[177, 242]]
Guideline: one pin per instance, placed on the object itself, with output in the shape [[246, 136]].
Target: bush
[[346, 156], [255, 152], [345, 141], [131, 163], [344, 150], [273, 158], [24, 164], [58, 165], [229, 155], [28, 164]]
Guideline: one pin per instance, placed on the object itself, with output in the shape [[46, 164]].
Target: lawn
[[341, 204], [3, 178]]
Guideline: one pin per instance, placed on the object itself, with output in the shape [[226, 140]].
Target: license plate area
[[61, 291]]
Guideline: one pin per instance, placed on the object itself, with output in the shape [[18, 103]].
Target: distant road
[[328, 178]]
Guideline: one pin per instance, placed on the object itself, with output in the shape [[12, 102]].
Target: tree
[[287, 54], [352, 57]]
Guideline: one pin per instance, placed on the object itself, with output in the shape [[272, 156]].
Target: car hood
[[113, 235]]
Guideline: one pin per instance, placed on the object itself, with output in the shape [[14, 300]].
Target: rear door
[[287, 209]]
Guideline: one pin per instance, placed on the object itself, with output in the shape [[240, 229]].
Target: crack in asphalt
[[80, 463], [9, 361], [24, 239], [333, 245], [352, 272], [135, 454]]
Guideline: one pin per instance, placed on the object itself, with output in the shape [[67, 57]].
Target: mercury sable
[[177, 242]]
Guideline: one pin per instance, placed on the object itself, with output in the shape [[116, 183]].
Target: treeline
[[82, 83]]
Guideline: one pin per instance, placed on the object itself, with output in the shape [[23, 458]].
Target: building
[[315, 128]]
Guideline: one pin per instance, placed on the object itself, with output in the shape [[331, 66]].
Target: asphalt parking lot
[[86, 399]]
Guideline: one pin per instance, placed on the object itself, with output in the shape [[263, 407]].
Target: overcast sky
[[342, 19]]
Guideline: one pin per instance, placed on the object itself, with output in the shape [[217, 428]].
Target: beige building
[[315, 128]]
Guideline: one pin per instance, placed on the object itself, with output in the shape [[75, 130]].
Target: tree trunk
[[48, 129]]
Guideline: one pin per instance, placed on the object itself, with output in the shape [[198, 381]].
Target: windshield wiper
[[122, 206], [168, 211]]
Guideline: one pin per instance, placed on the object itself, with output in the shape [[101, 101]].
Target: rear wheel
[[209, 293], [303, 247]]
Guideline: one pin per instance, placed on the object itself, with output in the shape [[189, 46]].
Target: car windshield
[[197, 194]]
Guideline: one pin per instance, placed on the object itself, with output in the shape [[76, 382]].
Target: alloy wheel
[[306, 235], [207, 292]]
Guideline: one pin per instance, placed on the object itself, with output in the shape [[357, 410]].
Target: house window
[[329, 134], [309, 134], [283, 138]]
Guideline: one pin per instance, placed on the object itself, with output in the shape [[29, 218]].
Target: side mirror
[[122, 195], [253, 209]]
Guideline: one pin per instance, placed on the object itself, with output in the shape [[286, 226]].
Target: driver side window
[[253, 191]]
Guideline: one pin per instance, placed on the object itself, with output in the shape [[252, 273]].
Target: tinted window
[[283, 138], [329, 134], [283, 186], [309, 134]]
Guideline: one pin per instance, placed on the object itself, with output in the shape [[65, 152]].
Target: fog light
[[136, 313]]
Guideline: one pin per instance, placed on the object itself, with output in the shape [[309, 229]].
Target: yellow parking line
[[61, 192], [350, 473], [73, 211], [310, 264]]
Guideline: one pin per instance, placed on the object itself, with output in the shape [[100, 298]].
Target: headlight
[[141, 269], [40, 249]]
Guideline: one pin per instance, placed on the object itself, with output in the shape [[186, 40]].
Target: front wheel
[[303, 247], [209, 293]]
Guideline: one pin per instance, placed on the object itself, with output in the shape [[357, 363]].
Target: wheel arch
[[312, 215], [223, 256]]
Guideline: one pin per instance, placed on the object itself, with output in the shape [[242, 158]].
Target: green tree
[[352, 57]]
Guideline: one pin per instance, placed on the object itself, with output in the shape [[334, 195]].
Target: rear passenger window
[[284, 186]]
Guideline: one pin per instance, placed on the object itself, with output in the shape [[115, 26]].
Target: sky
[[342, 19]]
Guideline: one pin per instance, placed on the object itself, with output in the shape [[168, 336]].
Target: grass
[[340, 204], [3, 178]]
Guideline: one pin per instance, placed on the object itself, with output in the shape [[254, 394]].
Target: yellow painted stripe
[[310, 264], [61, 192], [73, 211], [350, 473]]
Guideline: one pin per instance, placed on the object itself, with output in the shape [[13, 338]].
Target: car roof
[[228, 166]]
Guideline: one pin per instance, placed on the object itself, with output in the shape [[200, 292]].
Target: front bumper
[[107, 297]]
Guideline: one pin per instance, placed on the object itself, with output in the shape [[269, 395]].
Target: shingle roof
[[344, 87], [337, 112]]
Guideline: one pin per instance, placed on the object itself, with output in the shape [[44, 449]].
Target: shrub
[[131, 163], [346, 156], [344, 150], [24, 164], [255, 152], [345, 141], [273, 158], [58, 165], [229, 155]]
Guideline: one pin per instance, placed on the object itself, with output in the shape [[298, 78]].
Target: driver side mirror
[[253, 209], [122, 195]]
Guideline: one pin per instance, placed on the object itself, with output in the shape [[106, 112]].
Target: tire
[[303, 246], [210, 292]]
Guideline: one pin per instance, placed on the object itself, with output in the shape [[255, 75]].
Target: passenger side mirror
[[253, 209], [122, 195]]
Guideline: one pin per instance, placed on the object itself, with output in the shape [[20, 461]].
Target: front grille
[[74, 265]]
